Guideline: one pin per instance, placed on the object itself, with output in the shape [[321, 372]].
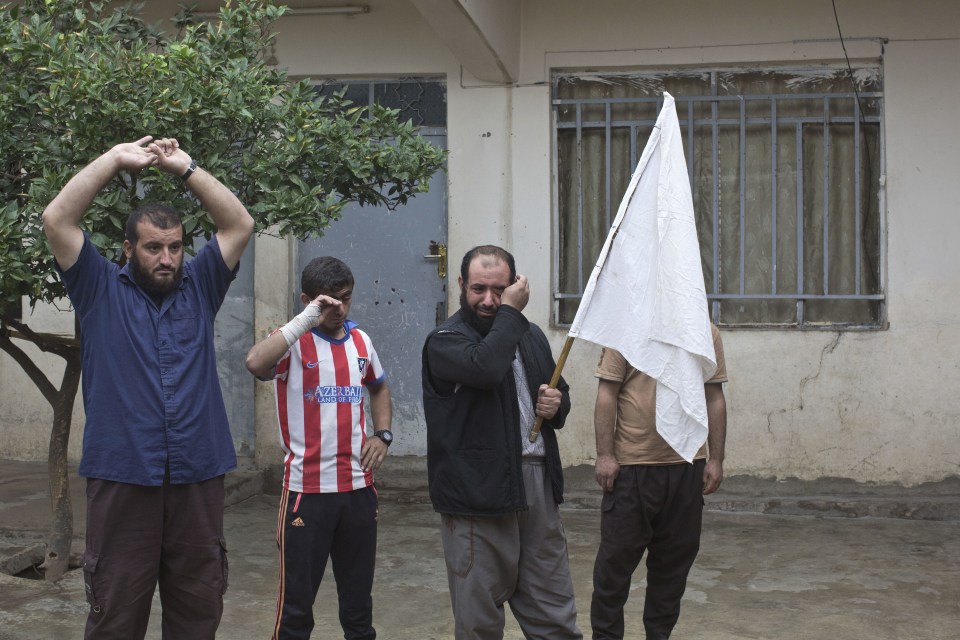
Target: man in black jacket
[[485, 375]]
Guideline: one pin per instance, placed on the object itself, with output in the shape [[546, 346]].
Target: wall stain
[[843, 408], [770, 419], [826, 350]]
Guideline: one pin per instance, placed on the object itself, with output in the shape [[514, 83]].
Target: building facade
[[821, 155]]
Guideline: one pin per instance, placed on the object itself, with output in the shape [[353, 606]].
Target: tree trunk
[[57, 561], [61, 530], [61, 401]]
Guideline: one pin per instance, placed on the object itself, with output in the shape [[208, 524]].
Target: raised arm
[[233, 222], [263, 357], [61, 218], [456, 358]]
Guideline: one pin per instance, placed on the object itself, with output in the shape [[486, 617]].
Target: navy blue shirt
[[150, 388]]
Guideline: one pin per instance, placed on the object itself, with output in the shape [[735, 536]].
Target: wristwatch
[[386, 435], [189, 171]]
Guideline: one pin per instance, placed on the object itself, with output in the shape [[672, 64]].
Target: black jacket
[[473, 418]]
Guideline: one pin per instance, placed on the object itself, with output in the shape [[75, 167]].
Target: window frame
[[685, 108]]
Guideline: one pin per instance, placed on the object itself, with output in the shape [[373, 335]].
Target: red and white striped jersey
[[319, 388]]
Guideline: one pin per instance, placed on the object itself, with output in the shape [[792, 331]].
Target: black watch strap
[[189, 171]]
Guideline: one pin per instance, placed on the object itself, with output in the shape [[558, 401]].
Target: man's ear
[[460, 281], [127, 249], [305, 299]]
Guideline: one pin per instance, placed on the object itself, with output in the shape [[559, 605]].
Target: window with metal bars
[[421, 100], [785, 167]]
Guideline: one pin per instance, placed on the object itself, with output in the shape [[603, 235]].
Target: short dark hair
[[160, 215], [325, 274], [488, 250]]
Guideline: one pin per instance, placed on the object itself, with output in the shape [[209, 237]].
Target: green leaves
[[77, 78]]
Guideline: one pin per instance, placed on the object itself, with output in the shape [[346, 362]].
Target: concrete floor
[[757, 576]]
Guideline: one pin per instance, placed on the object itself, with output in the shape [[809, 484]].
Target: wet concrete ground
[[757, 576]]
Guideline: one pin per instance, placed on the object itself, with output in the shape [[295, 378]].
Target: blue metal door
[[401, 288]]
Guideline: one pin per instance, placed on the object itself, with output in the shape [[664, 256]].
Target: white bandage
[[306, 320]]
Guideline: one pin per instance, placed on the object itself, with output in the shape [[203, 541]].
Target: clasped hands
[[165, 154]]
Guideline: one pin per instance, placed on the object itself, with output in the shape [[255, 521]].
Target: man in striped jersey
[[321, 361]]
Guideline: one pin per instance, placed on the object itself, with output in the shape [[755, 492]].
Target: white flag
[[645, 297]]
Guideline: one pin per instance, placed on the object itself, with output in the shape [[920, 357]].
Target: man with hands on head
[[156, 442], [321, 362], [652, 498], [485, 372]]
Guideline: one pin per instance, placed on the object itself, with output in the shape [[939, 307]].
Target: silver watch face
[[386, 436]]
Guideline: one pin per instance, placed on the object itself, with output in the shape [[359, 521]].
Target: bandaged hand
[[307, 319]]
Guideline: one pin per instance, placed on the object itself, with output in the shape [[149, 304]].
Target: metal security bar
[[755, 161], [421, 100]]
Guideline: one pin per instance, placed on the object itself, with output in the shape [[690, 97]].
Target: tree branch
[[32, 370], [47, 342]]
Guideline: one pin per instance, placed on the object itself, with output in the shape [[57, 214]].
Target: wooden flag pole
[[562, 360]]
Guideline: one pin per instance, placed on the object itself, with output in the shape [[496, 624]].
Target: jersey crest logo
[[362, 365]]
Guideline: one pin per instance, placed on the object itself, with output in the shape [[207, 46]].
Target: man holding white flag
[[646, 303], [485, 373]]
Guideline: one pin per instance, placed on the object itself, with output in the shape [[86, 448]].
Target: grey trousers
[[520, 558]]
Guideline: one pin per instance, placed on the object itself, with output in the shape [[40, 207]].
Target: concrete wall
[[874, 407], [869, 406]]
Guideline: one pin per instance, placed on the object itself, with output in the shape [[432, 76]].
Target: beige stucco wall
[[865, 406], [871, 406], [875, 407]]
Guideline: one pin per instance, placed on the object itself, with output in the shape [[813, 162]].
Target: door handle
[[438, 252]]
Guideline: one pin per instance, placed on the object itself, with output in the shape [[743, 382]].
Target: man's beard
[[470, 316], [149, 282]]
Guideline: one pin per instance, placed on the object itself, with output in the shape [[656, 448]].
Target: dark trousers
[[140, 536], [312, 527], [652, 508]]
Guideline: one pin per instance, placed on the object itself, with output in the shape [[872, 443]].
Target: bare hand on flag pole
[[535, 431]]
